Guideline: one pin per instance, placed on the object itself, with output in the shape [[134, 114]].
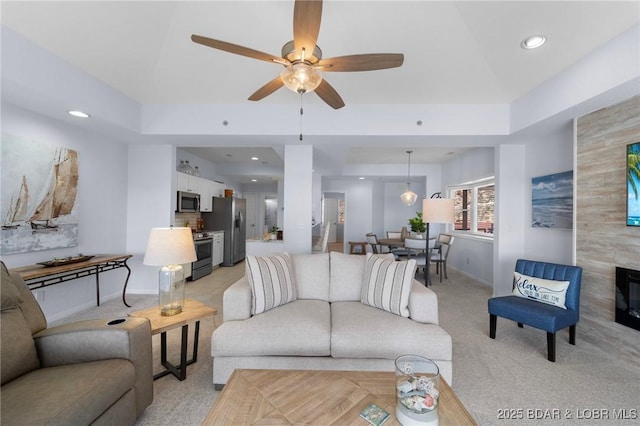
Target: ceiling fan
[[302, 59]]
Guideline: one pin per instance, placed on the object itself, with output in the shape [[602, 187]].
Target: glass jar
[[196, 172], [417, 390], [171, 290], [187, 168]]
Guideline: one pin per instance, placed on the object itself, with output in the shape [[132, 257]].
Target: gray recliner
[[87, 372]]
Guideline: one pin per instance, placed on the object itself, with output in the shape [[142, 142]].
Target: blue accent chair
[[538, 314]]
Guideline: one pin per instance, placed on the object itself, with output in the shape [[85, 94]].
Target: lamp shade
[[169, 246], [438, 210]]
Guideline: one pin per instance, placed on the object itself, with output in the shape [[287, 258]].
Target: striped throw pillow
[[272, 281], [387, 284]]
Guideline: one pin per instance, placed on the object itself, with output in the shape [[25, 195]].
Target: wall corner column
[[298, 197]]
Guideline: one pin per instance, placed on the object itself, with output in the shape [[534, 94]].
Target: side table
[[192, 311], [354, 244]]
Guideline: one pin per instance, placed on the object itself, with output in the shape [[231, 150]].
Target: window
[[474, 206]]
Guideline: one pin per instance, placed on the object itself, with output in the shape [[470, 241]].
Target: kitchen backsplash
[[187, 219]]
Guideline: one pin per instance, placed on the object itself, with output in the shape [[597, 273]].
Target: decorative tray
[[65, 260]]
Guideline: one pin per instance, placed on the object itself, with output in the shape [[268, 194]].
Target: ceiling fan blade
[[306, 24], [234, 48], [364, 62], [328, 94], [267, 89]]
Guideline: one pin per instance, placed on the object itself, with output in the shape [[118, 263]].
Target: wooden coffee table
[[285, 397], [193, 311]]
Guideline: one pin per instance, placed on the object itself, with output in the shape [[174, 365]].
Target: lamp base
[[167, 311], [171, 289]]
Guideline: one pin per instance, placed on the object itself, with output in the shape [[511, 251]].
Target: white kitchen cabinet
[[186, 270], [188, 183], [205, 187], [217, 254], [217, 189], [206, 192]]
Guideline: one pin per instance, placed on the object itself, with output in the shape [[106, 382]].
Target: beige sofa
[[87, 372], [327, 327]]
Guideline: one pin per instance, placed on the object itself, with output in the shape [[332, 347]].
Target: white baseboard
[[466, 274]]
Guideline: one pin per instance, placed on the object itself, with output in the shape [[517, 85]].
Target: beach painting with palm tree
[[552, 201], [633, 184]]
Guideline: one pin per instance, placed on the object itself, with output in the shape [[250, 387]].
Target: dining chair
[[439, 257], [372, 240], [393, 235], [415, 248]]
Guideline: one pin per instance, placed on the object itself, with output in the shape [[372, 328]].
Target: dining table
[[391, 242], [395, 243]]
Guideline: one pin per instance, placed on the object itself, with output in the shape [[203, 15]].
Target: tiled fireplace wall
[[603, 241]]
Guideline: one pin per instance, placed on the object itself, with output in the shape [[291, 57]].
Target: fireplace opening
[[628, 297]]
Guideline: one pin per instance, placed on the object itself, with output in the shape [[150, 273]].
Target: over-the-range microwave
[[188, 202]]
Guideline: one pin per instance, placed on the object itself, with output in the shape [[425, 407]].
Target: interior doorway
[[252, 231], [333, 212], [270, 212]]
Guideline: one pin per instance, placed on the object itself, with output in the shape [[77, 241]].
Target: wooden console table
[[38, 276]]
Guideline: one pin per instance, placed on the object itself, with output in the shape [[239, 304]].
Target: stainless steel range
[[203, 242]]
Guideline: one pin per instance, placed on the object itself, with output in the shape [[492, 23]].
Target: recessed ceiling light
[[533, 41], [361, 178], [79, 114], [255, 158], [254, 180]]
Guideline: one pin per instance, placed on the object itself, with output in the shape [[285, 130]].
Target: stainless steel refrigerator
[[228, 214]]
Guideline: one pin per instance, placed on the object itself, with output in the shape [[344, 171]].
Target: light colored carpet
[[507, 377]]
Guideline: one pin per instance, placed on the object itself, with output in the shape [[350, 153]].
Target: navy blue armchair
[[538, 314]]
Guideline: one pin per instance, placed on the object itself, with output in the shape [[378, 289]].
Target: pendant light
[[409, 197]]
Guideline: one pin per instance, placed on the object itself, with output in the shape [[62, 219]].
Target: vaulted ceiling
[[456, 52]]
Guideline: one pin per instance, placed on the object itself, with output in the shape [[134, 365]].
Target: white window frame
[[473, 212]]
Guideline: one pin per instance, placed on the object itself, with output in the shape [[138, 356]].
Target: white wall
[[470, 255], [396, 214], [553, 154], [151, 203], [102, 198], [514, 165], [508, 244], [298, 162], [206, 168]]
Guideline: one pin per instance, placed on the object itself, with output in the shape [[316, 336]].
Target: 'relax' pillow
[[387, 284], [552, 292], [272, 281]]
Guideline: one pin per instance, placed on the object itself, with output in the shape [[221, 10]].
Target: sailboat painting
[[39, 191]]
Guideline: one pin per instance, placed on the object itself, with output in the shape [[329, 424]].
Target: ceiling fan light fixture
[[301, 77]]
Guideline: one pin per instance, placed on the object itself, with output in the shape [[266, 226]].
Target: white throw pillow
[[387, 284], [272, 281], [552, 292]]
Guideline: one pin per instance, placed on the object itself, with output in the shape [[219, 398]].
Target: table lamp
[[436, 210], [169, 248]]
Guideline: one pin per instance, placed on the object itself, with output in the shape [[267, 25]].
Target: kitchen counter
[[264, 247]]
